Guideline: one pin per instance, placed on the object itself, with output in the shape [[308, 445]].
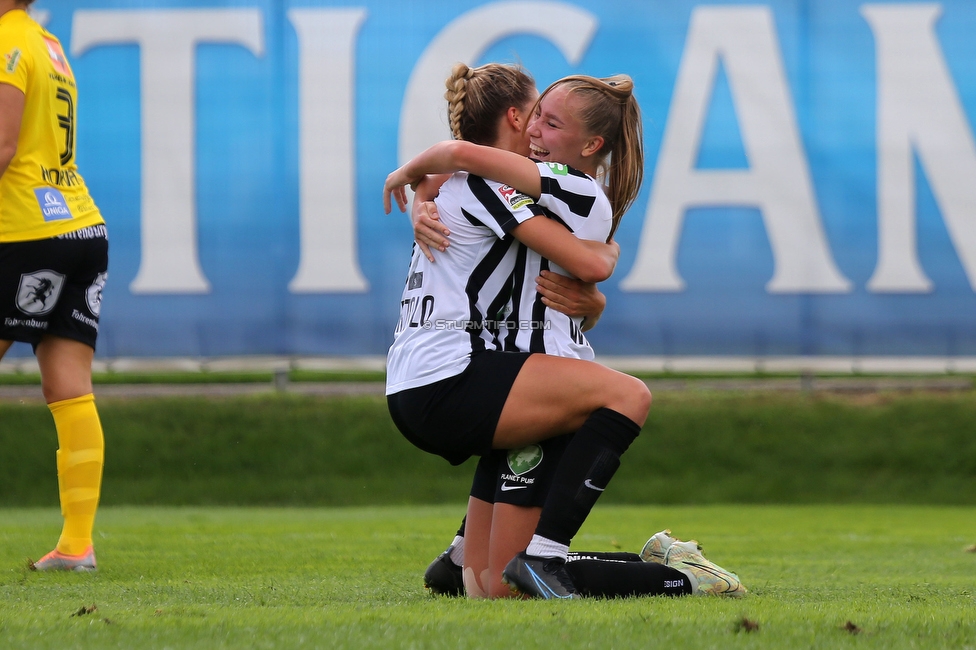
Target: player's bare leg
[[606, 410], [66, 383]]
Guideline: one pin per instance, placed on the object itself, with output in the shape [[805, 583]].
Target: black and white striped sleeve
[[567, 191], [499, 207]]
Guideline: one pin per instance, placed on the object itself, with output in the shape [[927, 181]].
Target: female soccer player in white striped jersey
[[578, 202], [504, 514], [451, 389]]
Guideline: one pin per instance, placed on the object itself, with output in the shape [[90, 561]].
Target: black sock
[[616, 556], [587, 465], [615, 579]]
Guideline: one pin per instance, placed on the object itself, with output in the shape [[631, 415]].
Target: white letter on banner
[[918, 110], [167, 40], [423, 119], [326, 45], [778, 179]]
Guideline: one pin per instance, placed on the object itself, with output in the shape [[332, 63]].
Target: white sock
[[542, 547], [457, 551]]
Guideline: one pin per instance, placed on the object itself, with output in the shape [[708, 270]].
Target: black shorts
[[456, 417], [519, 477], [53, 286]]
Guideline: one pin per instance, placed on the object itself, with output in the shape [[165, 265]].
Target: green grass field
[[308, 528], [351, 578]]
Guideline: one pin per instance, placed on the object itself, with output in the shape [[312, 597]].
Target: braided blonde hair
[[609, 109], [477, 97]]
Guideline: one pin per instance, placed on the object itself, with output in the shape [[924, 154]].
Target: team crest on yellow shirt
[[58, 58], [12, 60]]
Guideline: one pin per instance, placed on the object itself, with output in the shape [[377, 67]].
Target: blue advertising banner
[[810, 185]]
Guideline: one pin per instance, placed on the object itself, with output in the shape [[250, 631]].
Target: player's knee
[[642, 397], [61, 387]]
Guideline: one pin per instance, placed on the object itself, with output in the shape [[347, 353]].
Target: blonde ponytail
[[610, 110], [477, 97]]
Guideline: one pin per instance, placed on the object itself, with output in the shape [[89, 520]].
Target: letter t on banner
[[167, 42]]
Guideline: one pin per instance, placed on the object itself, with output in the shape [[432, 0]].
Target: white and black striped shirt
[[450, 308], [578, 202], [480, 294]]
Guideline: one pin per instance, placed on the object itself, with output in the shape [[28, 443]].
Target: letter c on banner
[[423, 119]]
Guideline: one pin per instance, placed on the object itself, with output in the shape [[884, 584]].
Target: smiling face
[[557, 135]]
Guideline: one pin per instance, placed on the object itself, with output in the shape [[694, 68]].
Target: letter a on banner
[[778, 179]]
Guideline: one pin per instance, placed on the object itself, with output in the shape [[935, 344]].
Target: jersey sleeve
[[497, 206], [567, 192], [14, 59]]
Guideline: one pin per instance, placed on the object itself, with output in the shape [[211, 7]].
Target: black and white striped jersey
[[451, 308], [578, 202]]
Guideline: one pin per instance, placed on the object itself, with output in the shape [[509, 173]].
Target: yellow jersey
[[42, 195]]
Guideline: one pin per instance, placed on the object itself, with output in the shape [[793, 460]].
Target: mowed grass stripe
[[351, 578]]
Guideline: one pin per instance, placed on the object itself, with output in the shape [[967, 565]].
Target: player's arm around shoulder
[[499, 165], [590, 261]]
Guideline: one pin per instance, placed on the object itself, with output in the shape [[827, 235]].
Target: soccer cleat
[[656, 548], [58, 561], [539, 577], [707, 578], [443, 576]]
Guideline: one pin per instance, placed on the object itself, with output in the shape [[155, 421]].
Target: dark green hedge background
[[695, 448]]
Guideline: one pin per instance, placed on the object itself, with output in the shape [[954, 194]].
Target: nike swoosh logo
[[593, 487], [506, 487]]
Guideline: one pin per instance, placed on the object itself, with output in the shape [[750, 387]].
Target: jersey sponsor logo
[[93, 295], [558, 168], [58, 58], [514, 198], [506, 487], [524, 460], [416, 280], [13, 58], [52, 203], [39, 291]]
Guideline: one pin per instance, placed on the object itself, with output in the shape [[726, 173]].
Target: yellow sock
[[81, 454]]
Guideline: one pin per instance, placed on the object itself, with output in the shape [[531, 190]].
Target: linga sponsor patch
[[513, 197], [524, 460], [558, 168], [12, 59], [52, 203]]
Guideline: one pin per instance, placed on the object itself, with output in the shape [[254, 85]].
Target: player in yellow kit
[[53, 263]]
